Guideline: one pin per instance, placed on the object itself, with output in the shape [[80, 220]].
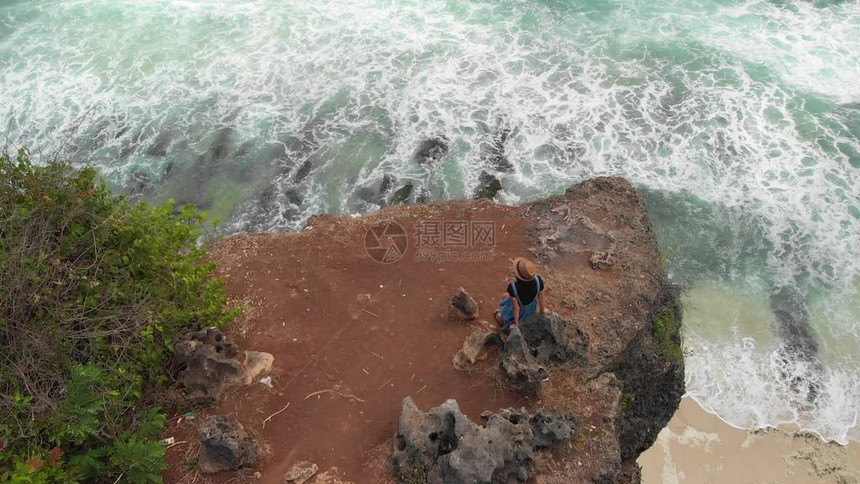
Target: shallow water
[[740, 120]]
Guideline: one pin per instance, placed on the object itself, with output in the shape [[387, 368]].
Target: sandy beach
[[698, 447]]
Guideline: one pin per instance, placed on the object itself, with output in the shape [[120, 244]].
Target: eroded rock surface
[[224, 445], [463, 306], [432, 150], [518, 368], [475, 348], [546, 336], [207, 367], [539, 341], [444, 446]]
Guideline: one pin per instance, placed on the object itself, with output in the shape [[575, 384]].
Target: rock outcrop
[[518, 368], [444, 446], [554, 340], [612, 356], [539, 341], [206, 366], [224, 445]]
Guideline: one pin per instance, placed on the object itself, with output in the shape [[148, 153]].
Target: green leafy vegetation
[[666, 329], [94, 292], [627, 401]]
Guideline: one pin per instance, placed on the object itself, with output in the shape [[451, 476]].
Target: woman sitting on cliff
[[523, 297]]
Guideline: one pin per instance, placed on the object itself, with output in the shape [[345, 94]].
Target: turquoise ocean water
[[739, 119]]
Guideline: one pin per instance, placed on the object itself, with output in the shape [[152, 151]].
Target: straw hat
[[524, 269]]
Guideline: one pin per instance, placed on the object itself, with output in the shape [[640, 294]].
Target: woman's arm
[[516, 311], [542, 303]]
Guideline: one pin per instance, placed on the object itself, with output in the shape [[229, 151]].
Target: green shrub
[[94, 292]]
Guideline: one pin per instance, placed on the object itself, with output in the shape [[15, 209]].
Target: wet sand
[[697, 447]]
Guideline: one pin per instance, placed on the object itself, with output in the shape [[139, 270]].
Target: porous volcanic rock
[[444, 446], [224, 445], [206, 366], [554, 340], [518, 368]]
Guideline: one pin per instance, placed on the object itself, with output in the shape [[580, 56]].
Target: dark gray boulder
[[551, 427], [303, 171], [401, 195], [224, 445], [554, 340], [444, 446], [518, 368], [488, 186], [431, 150]]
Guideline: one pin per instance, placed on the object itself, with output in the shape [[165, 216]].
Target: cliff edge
[[356, 311]]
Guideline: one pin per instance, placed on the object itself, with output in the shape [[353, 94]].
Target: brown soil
[[352, 337]]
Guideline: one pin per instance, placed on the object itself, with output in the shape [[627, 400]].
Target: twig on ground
[[386, 383], [279, 411], [370, 313], [421, 389], [177, 443], [377, 355], [335, 392]]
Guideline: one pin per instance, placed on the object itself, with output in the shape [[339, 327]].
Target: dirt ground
[[352, 336]]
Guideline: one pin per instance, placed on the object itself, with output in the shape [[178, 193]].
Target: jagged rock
[[548, 427], [385, 187], [488, 186], [206, 366], [463, 306], [552, 427], [554, 340], [475, 348], [431, 150], [444, 446], [602, 260], [518, 367], [303, 171], [300, 473], [224, 445], [402, 194]]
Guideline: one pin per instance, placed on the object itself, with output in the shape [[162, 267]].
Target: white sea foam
[[739, 105]]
